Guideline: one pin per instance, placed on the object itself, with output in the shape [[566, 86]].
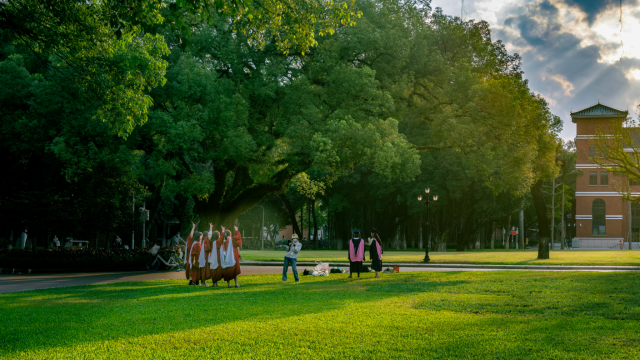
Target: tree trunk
[[493, 233], [315, 224], [521, 235], [508, 233], [460, 240], [543, 224], [292, 215]]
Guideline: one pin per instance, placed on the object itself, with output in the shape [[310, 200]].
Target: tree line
[[204, 113]]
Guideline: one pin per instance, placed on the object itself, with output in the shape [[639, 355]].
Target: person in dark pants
[[356, 253], [375, 252], [291, 257]]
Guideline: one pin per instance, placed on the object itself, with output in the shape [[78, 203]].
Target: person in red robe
[[233, 272], [217, 273], [187, 255], [205, 271], [206, 267], [196, 271]]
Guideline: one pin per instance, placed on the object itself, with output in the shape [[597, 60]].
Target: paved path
[[13, 283]]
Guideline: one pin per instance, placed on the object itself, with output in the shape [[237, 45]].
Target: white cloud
[[571, 57]]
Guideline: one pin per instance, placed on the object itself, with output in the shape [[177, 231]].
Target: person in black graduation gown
[[356, 253], [375, 252]]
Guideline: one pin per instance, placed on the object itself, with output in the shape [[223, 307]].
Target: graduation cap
[[356, 230]]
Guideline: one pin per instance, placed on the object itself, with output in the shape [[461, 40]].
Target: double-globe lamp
[[428, 202]]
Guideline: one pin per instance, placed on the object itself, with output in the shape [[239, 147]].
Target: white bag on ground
[[226, 257], [321, 269]]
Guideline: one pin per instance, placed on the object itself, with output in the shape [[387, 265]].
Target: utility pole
[[553, 211], [144, 223], [564, 235]]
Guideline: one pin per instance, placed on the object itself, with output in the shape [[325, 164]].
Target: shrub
[[90, 259]]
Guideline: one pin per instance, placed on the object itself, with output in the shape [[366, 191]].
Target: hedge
[[90, 259]]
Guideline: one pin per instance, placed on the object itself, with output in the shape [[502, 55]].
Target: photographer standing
[[291, 257]]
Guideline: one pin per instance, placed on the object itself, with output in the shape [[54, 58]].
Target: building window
[[604, 179], [593, 151], [633, 182], [593, 178], [598, 211]]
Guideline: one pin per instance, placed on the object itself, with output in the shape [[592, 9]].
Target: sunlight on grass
[[487, 257], [510, 315]]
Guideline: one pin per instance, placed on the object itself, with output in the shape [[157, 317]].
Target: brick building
[[602, 217]]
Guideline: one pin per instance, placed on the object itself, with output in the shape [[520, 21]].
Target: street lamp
[[427, 203]]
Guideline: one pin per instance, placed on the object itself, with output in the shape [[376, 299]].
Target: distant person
[[291, 258], [56, 242], [118, 242], [176, 240], [356, 253], [621, 244]]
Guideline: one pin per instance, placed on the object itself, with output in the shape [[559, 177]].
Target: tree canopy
[[205, 109]]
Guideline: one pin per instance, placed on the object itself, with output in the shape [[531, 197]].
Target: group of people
[[356, 254], [214, 257]]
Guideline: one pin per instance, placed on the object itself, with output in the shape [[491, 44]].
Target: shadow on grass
[[71, 316], [62, 317]]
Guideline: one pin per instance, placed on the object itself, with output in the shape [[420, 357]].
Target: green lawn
[[426, 315], [502, 257]]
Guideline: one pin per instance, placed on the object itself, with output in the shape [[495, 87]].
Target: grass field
[[426, 315], [502, 257]]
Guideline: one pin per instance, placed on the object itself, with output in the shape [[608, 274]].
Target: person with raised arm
[[230, 256], [187, 255], [205, 254], [196, 249], [214, 259]]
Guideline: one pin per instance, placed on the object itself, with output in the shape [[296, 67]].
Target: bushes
[[89, 259]]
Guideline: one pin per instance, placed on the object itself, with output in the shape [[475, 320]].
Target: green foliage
[[515, 315]]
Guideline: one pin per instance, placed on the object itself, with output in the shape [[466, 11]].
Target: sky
[[574, 52]]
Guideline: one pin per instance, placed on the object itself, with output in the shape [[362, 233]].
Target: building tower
[[601, 214]]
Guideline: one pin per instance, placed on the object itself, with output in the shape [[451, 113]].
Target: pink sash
[[352, 254], [378, 247]]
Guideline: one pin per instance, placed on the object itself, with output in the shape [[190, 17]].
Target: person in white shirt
[[56, 242], [291, 257], [177, 240]]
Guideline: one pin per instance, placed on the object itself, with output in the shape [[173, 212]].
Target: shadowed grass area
[[487, 257], [446, 315]]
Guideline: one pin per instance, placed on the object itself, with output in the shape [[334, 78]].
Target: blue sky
[[574, 51]]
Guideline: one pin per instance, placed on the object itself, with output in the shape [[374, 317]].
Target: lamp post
[[262, 228], [428, 204]]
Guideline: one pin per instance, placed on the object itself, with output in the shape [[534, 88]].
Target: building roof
[[598, 111]]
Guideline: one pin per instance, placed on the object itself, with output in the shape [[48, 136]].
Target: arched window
[[598, 211]]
